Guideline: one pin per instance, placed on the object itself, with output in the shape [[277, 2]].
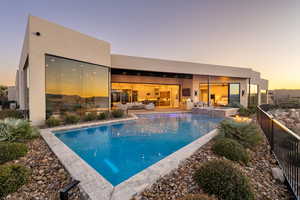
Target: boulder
[[278, 174]]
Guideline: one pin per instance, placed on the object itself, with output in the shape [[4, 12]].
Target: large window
[[253, 95], [160, 95], [219, 94], [263, 97], [73, 86], [234, 93]]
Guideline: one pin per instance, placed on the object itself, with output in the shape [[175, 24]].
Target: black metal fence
[[285, 146]]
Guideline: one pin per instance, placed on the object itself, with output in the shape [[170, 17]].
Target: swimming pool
[[120, 150]]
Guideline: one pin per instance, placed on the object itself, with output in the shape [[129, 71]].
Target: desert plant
[[220, 178], [71, 119], [17, 130], [245, 133], [11, 151], [90, 117], [252, 109], [52, 121], [244, 112], [11, 114], [103, 115], [234, 105], [198, 197], [117, 113], [231, 150], [12, 177]]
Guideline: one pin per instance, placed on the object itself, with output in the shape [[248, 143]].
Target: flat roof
[[171, 66]]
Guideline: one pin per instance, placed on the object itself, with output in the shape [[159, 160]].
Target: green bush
[[117, 113], [12, 177], [252, 109], [17, 130], [11, 114], [198, 197], [231, 150], [52, 121], [90, 117], [234, 105], [245, 133], [71, 119], [103, 115], [244, 112], [11, 151], [220, 178]]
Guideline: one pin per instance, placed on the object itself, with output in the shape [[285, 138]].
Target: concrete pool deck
[[94, 186]]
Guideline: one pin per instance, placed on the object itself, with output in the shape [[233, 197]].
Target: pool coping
[[94, 186]]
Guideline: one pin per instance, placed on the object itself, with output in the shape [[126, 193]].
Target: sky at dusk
[[261, 34]]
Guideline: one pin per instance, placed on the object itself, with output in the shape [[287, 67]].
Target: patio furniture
[[149, 106]]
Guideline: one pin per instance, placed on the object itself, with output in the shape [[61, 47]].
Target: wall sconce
[[243, 93], [195, 93]]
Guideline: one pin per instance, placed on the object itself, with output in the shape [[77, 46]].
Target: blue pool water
[[121, 150]]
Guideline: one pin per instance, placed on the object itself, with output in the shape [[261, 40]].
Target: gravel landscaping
[[288, 117], [47, 174], [180, 182]]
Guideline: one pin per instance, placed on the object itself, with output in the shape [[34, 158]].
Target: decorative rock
[[278, 174], [47, 174]]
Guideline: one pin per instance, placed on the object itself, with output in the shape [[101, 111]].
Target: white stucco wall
[[60, 41], [151, 64]]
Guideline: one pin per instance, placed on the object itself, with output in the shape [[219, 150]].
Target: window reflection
[[253, 99], [234, 93], [73, 86], [263, 96]]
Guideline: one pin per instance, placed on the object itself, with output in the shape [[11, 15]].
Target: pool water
[[121, 150]]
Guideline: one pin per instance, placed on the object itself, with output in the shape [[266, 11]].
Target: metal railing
[[284, 145]]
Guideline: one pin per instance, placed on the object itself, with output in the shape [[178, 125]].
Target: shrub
[[244, 112], [72, 119], [12, 177], [11, 114], [117, 113], [252, 109], [198, 197], [11, 151], [231, 150], [220, 178], [16, 130], [245, 133], [103, 115], [234, 105], [90, 117], [52, 121]]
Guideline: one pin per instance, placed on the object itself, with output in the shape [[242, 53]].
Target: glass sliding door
[[218, 94], [158, 94], [263, 97], [253, 95], [203, 95], [234, 93], [75, 87]]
